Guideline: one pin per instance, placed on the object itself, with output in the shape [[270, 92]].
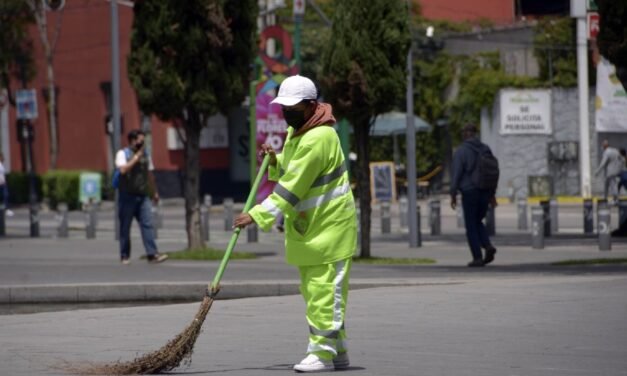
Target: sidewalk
[[78, 270]]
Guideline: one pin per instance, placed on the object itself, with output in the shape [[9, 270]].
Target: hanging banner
[[611, 100], [271, 128], [525, 112]]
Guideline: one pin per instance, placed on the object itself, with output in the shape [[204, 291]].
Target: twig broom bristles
[[180, 347]]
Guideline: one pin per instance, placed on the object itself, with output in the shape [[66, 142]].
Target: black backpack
[[486, 173]]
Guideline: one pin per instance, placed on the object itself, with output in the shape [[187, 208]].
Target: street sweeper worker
[[313, 194]]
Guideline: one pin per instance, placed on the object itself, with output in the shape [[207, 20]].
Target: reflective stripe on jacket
[[313, 194]]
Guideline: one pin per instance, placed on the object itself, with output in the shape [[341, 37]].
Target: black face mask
[[295, 118]]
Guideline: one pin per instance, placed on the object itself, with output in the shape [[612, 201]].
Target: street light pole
[[115, 97], [414, 231]]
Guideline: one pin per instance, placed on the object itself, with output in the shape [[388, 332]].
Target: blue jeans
[[135, 206], [475, 204]]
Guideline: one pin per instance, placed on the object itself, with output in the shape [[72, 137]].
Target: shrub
[[18, 183]]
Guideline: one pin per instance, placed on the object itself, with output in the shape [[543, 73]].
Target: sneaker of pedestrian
[[489, 255], [8, 213], [125, 261], [341, 361], [313, 363], [157, 258], [476, 263]]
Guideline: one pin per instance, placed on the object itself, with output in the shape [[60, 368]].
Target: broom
[[179, 348]]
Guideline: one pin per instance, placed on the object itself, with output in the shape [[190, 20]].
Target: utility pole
[[414, 231], [578, 10], [115, 97]]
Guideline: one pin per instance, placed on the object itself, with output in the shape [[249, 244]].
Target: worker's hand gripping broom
[[180, 348]]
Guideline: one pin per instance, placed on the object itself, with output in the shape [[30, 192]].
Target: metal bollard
[[158, 218], [62, 218], [228, 214], [553, 212], [546, 209], [3, 229], [386, 221], [434, 217], [490, 221], [588, 216], [252, 234], [622, 211], [419, 243], [90, 221], [459, 212], [205, 212], [402, 209], [154, 213], [522, 214], [33, 214], [537, 227], [358, 220], [604, 220]]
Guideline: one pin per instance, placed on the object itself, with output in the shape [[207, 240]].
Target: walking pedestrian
[[612, 164], [313, 194], [477, 182], [136, 189]]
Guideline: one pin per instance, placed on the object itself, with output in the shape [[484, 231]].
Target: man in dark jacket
[[475, 201]]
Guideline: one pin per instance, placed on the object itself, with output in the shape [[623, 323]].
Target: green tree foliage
[[15, 45], [612, 38], [190, 60], [364, 76], [554, 47]]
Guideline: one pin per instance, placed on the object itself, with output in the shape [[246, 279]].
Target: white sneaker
[[341, 361], [312, 363], [8, 213]]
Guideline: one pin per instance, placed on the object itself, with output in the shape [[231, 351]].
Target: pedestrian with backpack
[[475, 173], [135, 183]]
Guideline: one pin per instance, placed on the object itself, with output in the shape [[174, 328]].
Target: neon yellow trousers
[[325, 290]]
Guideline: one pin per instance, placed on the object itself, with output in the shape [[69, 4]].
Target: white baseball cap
[[294, 89]]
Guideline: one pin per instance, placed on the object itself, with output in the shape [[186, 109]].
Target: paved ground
[[519, 316]]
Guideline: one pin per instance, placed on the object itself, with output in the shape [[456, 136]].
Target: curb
[[163, 292]]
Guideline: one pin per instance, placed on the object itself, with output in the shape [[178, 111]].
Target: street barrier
[[252, 233], [553, 207], [546, 210], [62, 220], [90, 220], [205, 211], [434, 217], [603, 224], [490, 220], [522, 214], [3, 230], [537, 227], [228, 214], [419, 243], [459, 212], [588, 216], [402, 209], [386, 221]]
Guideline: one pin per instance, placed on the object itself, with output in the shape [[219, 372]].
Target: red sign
[[593, 25]]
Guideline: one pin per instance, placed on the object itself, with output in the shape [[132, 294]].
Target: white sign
[[299, 7], [26, 104], [525, 111], [213, 136], [611, 100]]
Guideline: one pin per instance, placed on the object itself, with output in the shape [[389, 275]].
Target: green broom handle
[[249, 204]]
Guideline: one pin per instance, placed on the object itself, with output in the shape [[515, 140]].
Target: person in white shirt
[[612, 164], [136, 188]]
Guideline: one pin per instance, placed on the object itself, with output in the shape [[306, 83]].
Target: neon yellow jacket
[[313, 194]]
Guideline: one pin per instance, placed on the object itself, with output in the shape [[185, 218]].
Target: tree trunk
[[192, 177], [363, 185]]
